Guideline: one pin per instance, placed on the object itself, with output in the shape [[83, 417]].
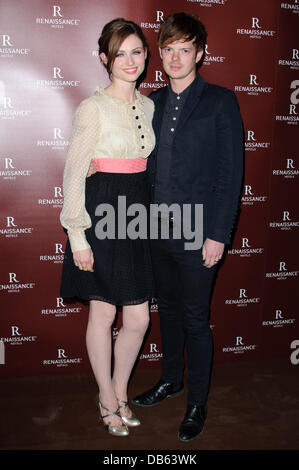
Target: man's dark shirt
[[173, 108]]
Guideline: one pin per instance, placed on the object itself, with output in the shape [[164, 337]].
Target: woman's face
[[129, 61]]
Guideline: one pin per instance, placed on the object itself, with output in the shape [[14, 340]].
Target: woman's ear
[[103, 58]]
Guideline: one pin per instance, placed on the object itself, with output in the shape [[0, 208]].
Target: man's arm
[[229, 167]]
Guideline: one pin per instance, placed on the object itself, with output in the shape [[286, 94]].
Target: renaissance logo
[[212, 59], [62, 360], [55, 258], [154, 306], [60, 309], [14, 285], [293, 7], [246, 250], [156, 24], [279, 320], [243, 300], [286, 223], [293, 62], [153, 355], [58, 141], [10, 110], [158, 82], [282, 273], [57, 20], [253, 88], [56, 201], [208, 3], [8, 50], [11, 172], [292, 117], [255, 31], [115, 332], [252, 143], [249, 198], [240, 347], [12, 230], [57, 81], [17, 338], [290, 171]]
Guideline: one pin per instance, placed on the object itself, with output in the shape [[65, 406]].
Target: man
[[198, 159]]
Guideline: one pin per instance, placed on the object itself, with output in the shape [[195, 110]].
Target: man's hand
[[83, 259], [212, 252]]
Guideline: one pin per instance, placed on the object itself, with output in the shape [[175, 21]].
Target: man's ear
[[160, 52], [103, 58], [199, 55]]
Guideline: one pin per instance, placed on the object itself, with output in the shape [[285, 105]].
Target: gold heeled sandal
[[133, 420], [120, 430]]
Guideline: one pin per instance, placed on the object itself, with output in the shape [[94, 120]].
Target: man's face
[[179, 58]]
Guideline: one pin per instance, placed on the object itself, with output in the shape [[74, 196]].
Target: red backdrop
[[49, 63]]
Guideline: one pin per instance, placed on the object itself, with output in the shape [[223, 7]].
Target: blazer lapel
[[192, 101]]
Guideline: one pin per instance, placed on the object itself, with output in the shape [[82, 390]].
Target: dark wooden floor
[[252, 406]]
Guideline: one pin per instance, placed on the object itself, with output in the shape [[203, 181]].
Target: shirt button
[[139, 127], [133, 107], [174, 118], [142, 137], [137, 117], [176, 107], [142, 147], [178, 97], [172, 129]]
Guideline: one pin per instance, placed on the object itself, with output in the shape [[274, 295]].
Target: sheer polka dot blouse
[[103, 127]]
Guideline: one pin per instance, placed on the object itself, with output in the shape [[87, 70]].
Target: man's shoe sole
[[157, 403]]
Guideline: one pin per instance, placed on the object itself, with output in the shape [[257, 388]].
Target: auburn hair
[[183, 26], [113, 35]]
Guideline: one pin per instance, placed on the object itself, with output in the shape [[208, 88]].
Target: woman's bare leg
[[127, 346], [98, 342]]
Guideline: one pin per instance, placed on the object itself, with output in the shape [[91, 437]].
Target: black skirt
[[122, 266]]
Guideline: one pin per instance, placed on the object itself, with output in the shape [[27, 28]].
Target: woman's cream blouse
[[103, 127]]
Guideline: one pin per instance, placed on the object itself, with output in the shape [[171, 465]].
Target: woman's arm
[[74, 217]]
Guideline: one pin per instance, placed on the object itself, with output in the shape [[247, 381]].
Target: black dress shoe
[[193, 422], [158, 393]]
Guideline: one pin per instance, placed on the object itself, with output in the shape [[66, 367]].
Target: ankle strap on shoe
[[122, 403], [110, 412]]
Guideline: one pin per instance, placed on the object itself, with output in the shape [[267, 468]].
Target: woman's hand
[[83, 259], [92, 169]]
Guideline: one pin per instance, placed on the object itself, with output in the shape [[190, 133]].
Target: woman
[[111, 130]]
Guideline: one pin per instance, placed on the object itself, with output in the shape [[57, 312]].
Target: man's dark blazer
[[207, 154]]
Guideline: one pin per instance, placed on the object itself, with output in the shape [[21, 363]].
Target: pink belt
[[120, 165]]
